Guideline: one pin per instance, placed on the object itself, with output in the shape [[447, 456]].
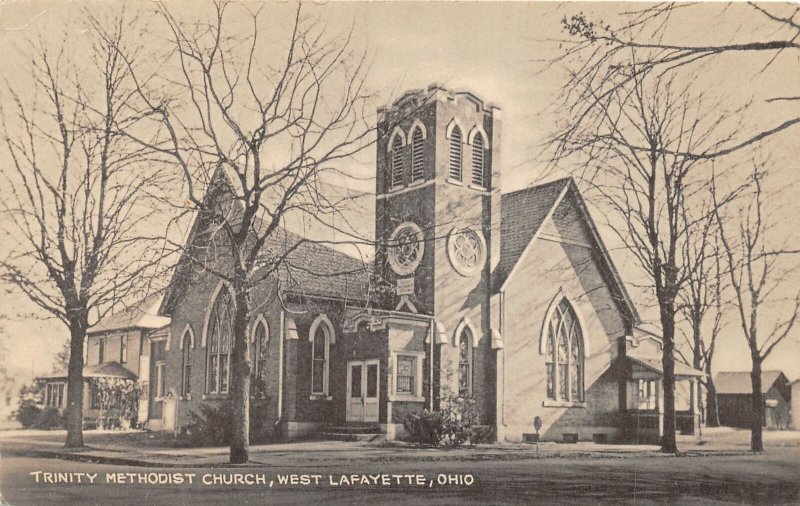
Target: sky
[[496, 50]]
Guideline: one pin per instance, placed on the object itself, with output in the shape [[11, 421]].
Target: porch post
[[695, 393], [660, 408]]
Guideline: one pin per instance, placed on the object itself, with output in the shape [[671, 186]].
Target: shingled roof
[[523, 213], [739, 382], [104, 370], [315, 269], [143, 315]]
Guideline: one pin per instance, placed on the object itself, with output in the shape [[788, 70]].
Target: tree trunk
[[757, 399], [240, 384], [668, 442], [712, 411], [75, 384]]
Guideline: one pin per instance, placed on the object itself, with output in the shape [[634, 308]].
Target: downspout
[[503, 333], [280, 366], [430, 365]]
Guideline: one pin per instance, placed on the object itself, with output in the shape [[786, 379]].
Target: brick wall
[[551, 268]]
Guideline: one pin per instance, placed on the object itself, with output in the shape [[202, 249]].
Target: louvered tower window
[[455, 154], [397, 162], [417, 157], [477, 161]]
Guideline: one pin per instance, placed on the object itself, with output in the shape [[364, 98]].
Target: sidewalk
[[343, 453]]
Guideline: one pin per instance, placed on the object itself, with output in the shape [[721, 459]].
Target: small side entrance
[[363, 385]]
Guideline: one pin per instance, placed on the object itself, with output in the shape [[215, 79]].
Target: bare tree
[[635, 138], [700, 297], [774, 33], [756, 265], [75, 194], [253, 137]]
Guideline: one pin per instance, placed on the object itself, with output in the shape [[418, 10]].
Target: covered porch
[[642, 419], [55, 388]]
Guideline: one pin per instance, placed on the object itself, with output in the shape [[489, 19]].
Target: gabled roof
[[315, 269], [655, 365], [310, 268], [524, 212], [739, 382], [143, 315], [104, 370]]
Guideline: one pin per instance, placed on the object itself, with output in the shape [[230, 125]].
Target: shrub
[[213, 425], [452, 425], [425, 427], [27, 413], [481, 434], [49, 419]]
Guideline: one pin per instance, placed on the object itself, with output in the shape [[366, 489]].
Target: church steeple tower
[[437, 204]]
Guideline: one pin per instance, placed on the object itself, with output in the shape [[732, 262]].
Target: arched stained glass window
[[564, 355], [220, 337], [320, 356], [465, 363], [260, 349], [455, 154], [186, 377]]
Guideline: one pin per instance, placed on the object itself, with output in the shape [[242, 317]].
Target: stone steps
[[353, 432]]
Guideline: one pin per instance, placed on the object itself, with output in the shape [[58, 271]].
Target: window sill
[[320, 397], [215, 397], [563, 404], [417, 182], [393, 189], [478, 187], [406, 398], [455, 182]]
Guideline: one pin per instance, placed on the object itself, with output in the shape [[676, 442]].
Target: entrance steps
[[353, 431]]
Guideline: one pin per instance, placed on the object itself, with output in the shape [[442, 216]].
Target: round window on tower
[[406, 246], [467, 250]]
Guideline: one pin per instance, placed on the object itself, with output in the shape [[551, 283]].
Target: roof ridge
[[537, 186]]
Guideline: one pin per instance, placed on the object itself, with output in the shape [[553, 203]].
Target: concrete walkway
[[325, 454]]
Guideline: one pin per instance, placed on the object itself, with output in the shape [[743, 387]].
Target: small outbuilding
[[734, 390]]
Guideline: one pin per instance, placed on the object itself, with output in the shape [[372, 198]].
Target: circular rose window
[[405, 248], [467, 250]]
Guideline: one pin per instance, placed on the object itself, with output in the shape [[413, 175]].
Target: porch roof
[[104, 370], [654, 365]]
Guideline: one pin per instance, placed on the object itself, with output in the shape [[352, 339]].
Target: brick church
[[508, 299]]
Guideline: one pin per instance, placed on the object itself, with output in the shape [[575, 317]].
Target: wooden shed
[[734, 390]]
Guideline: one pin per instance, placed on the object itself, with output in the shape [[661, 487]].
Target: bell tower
[[437, 209]]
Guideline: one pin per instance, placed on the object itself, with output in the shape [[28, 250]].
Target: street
[[745, 479]]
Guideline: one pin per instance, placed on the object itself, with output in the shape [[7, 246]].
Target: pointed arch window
[[465, 363], [320, 359], [477, 161], [455, 154], [220, 336], [417, 156], [186, 374], [260, 349], [564, 355], [397, 161]]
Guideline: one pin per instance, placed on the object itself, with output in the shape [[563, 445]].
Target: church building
[[509, 300]]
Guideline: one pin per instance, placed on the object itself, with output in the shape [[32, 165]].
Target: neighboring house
[[118, 346], [511, 300], [734, 399], [795, 408]]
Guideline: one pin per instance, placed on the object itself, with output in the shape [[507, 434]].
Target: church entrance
[[362, 391]]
